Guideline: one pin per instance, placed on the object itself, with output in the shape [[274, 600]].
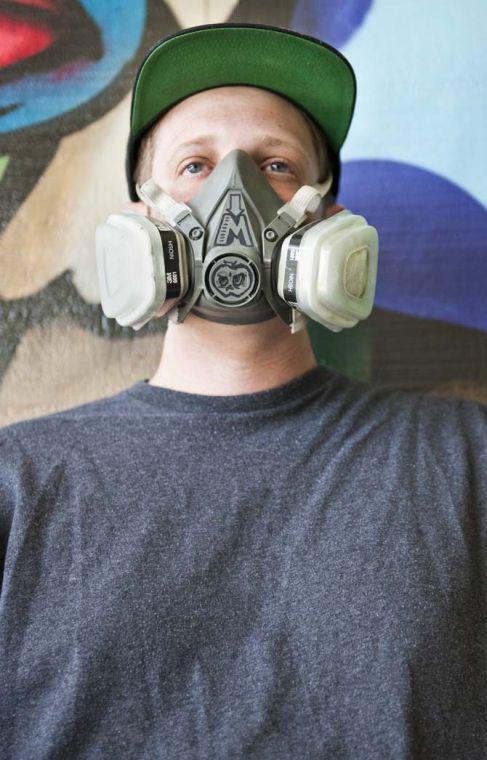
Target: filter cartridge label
[[171, 263], [291, 268]]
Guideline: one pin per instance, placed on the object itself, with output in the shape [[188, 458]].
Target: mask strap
[[305, 200], [153, 195], [323, 187]]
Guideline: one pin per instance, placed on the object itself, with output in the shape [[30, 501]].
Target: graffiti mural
[[67, 70], [412, 164]]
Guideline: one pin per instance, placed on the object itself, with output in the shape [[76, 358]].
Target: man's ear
[[332, 209], [136, 207], [324, 212]]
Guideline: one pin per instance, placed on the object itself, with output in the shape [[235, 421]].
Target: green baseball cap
[[307, 71]]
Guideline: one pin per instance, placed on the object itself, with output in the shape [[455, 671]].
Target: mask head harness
[[235, 254], [234, 225]]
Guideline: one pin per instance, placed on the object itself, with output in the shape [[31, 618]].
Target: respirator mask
[[235, 254]]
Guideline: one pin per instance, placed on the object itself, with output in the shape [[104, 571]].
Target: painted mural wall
[[414, 164]]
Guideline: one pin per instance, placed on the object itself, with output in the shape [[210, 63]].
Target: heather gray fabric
[[295, 573]]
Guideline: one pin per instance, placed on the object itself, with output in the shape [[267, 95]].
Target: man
[[250, 555]]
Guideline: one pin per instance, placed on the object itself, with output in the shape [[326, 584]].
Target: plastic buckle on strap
[[152, 194], [305, 200]]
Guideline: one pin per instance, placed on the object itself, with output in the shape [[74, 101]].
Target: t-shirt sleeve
[[10, 459], [474, 427], [457, 456], [21, 456]]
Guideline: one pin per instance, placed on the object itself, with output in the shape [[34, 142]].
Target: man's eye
[[194, 167], [281, 167]]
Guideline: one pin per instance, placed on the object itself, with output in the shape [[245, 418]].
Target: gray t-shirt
[[294, 573]]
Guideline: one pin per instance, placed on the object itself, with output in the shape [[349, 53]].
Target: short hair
[[145, 154], [147, 146], [321, 147]]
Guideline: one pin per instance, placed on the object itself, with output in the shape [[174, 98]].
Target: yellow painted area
[[54, 228], [194, 12], [3, 165]]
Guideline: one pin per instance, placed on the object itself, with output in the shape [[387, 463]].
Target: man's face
[[198, 132]]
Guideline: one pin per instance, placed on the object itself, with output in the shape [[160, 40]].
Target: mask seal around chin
[[236, 255]]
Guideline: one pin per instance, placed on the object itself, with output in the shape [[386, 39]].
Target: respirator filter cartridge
[[328, 270], [142, 265]]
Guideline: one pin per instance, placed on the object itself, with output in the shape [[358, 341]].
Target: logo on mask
[[234, 223], [231, 279]]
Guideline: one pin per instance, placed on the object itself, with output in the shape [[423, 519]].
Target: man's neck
[[205, 357]]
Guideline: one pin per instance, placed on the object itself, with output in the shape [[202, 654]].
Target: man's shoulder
[[56, 425], [400, 398], [422, 415]]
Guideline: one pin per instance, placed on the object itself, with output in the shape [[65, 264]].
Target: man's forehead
[[262, 138], [280, 121], [216, 103]]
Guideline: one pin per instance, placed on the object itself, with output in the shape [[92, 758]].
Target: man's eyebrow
[[195, 142], [266, 141]]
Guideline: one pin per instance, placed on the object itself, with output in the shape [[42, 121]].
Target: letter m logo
[[234, 223]]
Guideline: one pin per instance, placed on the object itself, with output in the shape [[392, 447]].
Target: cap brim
[[313, 75]]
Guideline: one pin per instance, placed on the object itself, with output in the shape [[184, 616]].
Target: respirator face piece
[[236, 255]]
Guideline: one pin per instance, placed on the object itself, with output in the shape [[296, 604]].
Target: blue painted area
[[433, 239], [422, 88], [414, 160], [333, 22], [41, 97]]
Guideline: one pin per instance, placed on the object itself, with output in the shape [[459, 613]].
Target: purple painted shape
[[333, 22], [432, 240]]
